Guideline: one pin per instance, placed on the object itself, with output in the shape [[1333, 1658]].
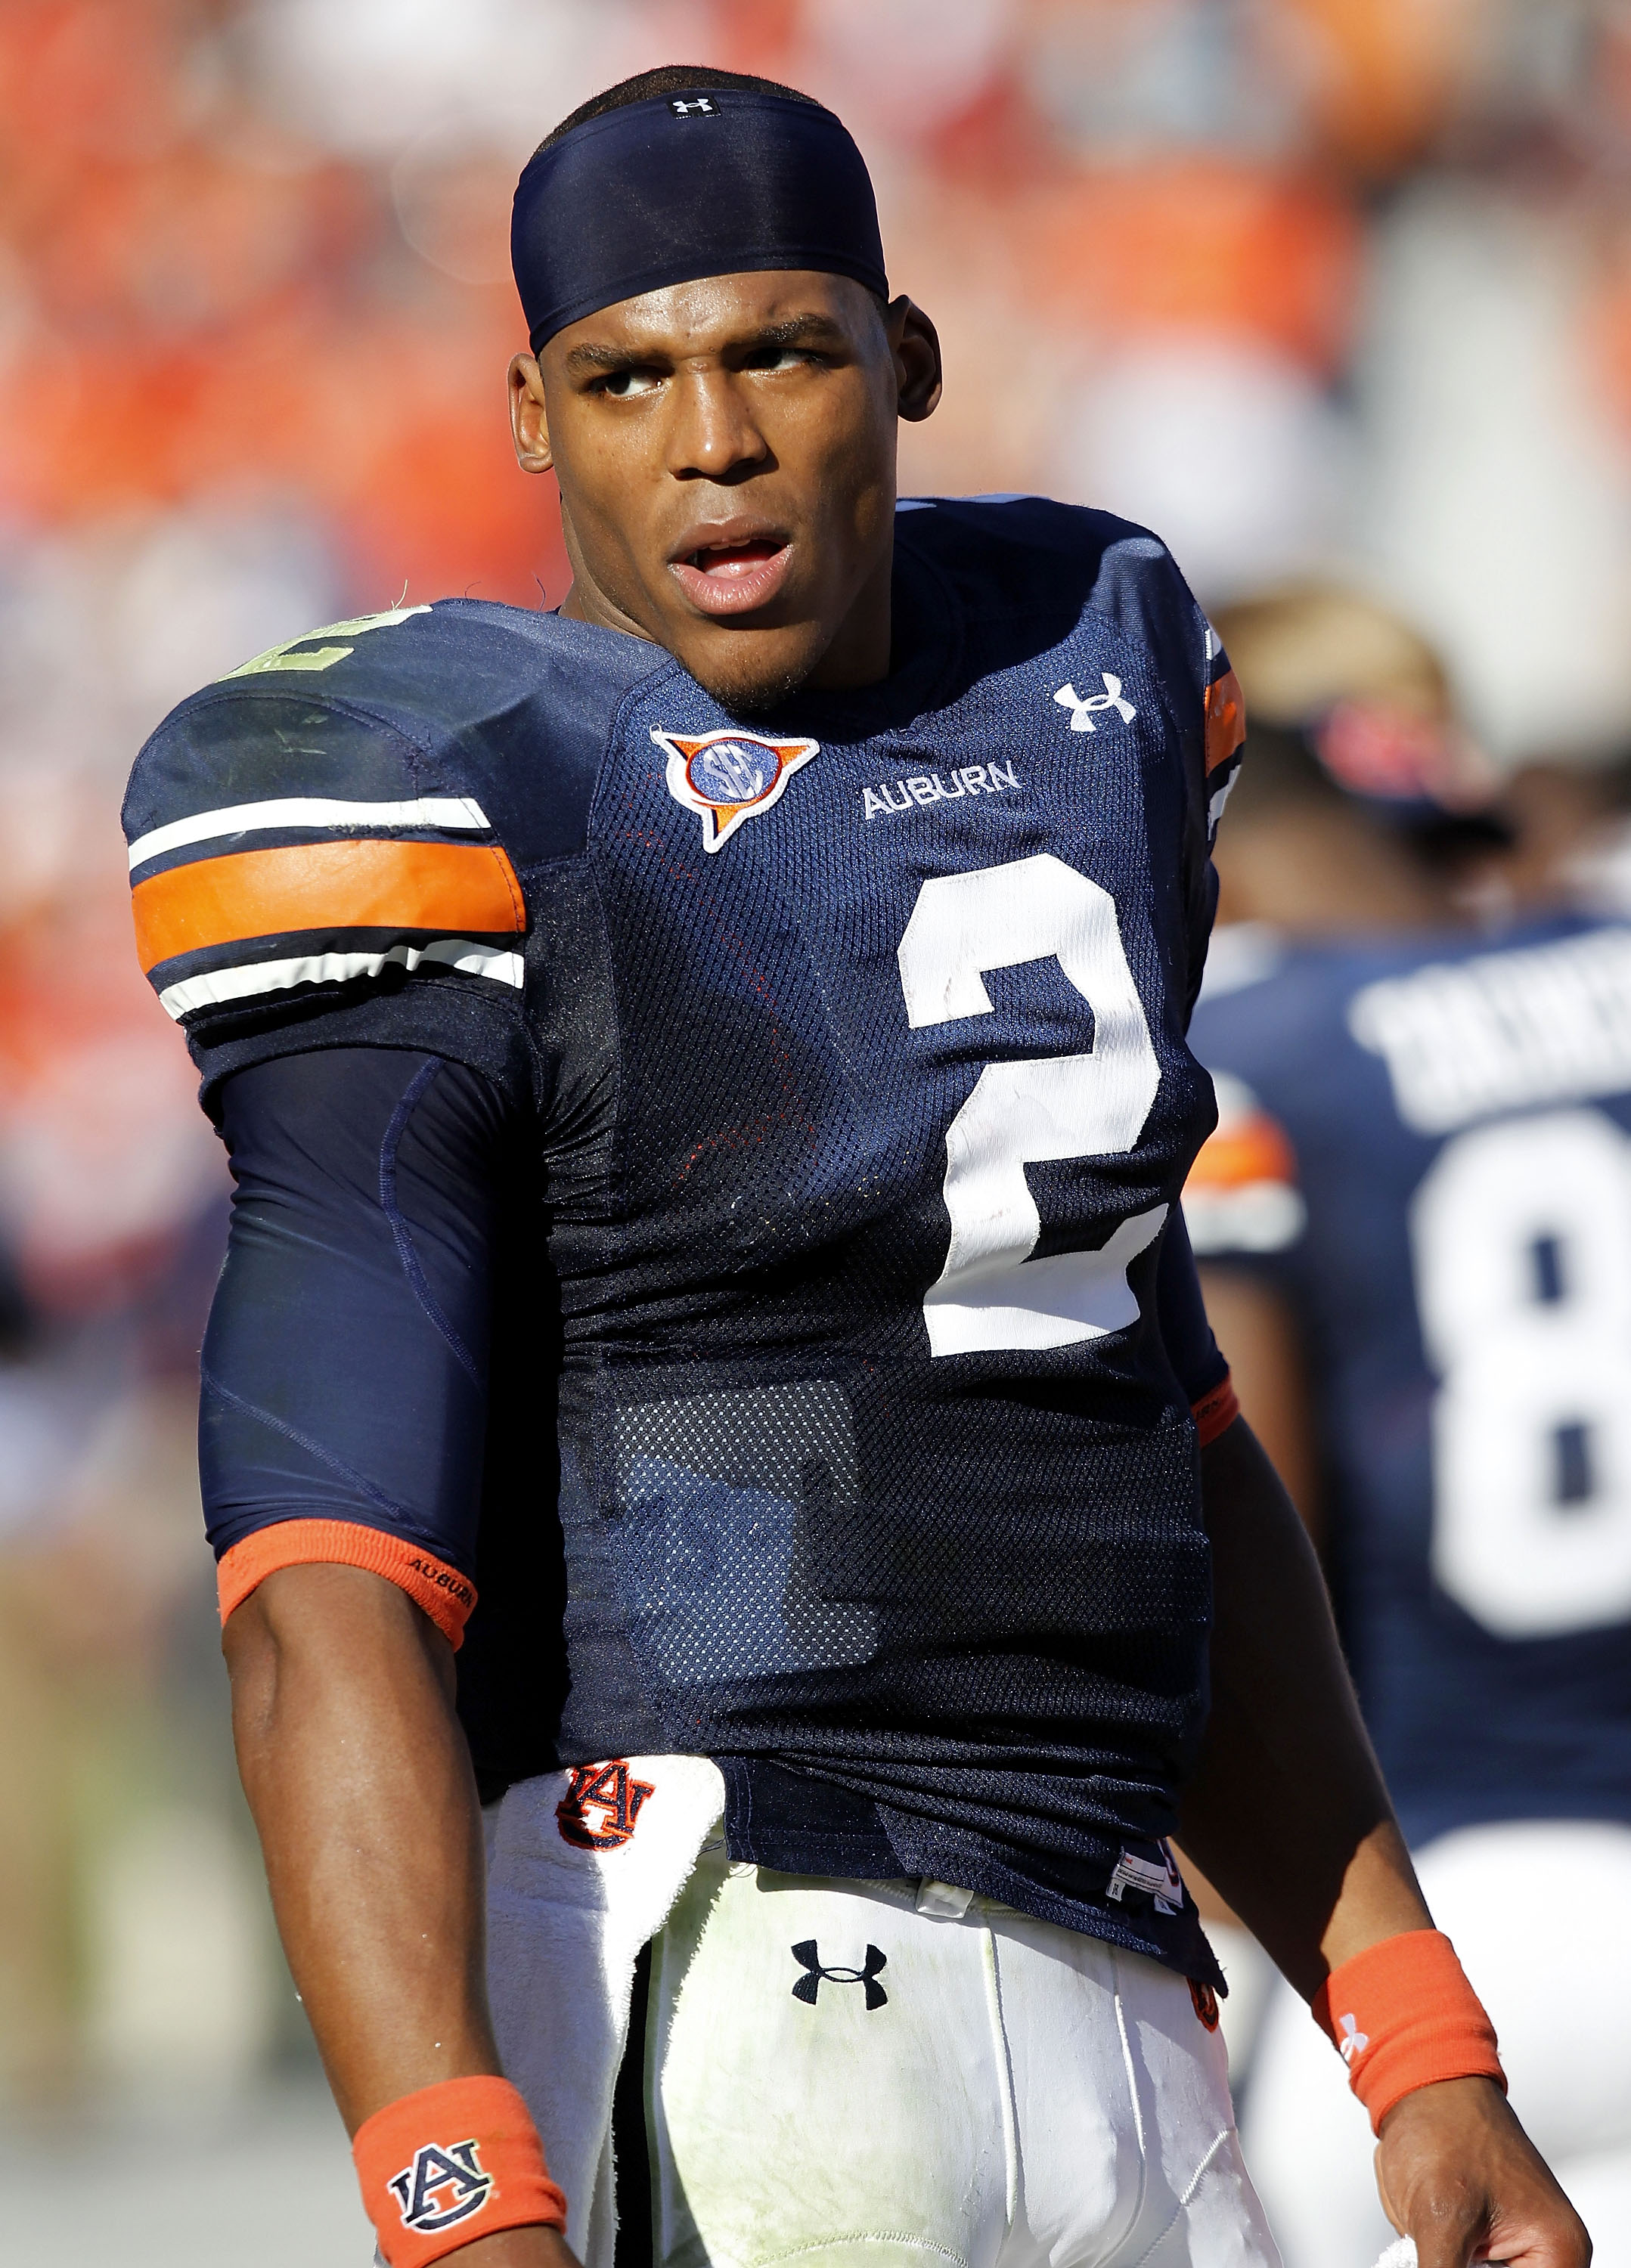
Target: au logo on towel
[[601, 1805], [729, 777]]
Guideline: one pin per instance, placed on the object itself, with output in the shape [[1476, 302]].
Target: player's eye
[[779, 357], [623, 385]]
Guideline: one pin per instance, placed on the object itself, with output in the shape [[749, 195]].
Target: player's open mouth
[[733, 572]]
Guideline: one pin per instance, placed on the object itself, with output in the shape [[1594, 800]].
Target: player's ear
[[529, 422], [915, 344]]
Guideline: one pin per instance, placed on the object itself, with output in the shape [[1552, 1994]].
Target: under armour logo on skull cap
[[807, 1986]]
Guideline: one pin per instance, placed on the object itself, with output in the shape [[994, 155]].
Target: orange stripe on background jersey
[[325, 885], [1253, 1150], [431, 1583], [1226, 720]]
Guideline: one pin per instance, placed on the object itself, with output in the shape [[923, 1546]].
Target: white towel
[[564, 1926]]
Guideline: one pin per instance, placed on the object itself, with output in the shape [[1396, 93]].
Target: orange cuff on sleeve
[[449, 2164], [446, 1594], [1403, 2015], [1216, 1412]]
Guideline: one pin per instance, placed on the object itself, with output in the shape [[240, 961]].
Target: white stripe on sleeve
[[249, 977], [450, 811]]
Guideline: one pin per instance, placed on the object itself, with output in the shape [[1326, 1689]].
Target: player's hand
[[1457, 2173], [517, 2247]]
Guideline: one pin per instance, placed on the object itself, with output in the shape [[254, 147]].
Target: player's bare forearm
[[1287, 1813], [1255, 1322], [360, 1783], [1268, 1363], [361, 1787]]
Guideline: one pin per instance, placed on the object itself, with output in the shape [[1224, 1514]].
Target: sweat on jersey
[[1425, 1144], [707, 1191]]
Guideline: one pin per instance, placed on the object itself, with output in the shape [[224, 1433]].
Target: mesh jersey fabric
[[1424, 1145], [937, 1606], [345, 1371]]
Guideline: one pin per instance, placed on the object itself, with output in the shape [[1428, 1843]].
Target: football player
[[1415, 1219], [705, 1076]]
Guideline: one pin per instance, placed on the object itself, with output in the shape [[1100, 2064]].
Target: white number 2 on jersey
[[991, 1294], [1522, 1234]]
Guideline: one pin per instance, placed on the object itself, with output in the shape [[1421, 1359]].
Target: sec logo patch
[[729, 777]]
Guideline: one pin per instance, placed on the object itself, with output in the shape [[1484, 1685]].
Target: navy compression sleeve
[[345, 1373], [1191, 1348]]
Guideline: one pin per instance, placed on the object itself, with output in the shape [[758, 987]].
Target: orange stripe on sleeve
[[363, 885], [1216, 1412], [442, 1591], [1226, 720]]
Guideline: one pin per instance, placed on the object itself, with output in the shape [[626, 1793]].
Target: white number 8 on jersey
[[1522, 1233]]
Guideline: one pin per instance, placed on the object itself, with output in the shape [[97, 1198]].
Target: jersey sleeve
[[306, 872], [1139, 586], [345, 1366], [1192, 1350], [1244, 1200]]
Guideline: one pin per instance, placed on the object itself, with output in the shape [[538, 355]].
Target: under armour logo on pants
[[809, 1985]]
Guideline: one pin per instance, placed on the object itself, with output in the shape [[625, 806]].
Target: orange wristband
[[1403, 2015], [449, 2164]]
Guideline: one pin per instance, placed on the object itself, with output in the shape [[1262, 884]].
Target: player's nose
[[713, 434]]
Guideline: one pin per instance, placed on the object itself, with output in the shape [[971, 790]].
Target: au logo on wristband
[[441, 2186]]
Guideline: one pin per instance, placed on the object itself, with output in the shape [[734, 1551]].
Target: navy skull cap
[[705, 181]]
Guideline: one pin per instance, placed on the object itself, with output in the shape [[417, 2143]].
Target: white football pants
[[1537, 1911], [835, 2074]]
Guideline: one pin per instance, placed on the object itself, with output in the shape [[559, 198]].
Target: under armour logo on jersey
[[702, 108], [809, 1985], [1353, 2042], [441, 2187], [1083, 712], [729, 777], [601, 1805]]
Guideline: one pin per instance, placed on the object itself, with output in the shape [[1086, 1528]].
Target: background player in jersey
[[1417, 1235], [707, 1151]]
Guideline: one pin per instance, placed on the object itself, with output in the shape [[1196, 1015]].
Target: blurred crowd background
[[1334, 287]]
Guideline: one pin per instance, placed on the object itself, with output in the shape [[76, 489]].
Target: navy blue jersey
[[826, 1084], [1426, 1144]]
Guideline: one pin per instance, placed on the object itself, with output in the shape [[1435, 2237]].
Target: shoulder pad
[[357, 801], [1032, 554]]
